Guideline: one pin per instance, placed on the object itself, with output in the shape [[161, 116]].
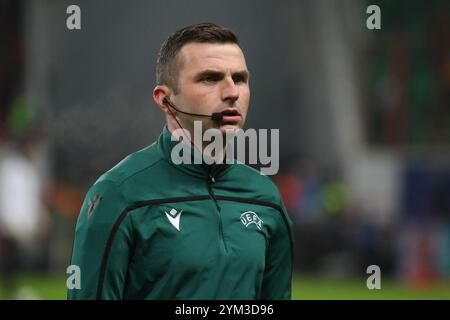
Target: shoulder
[[131, 165], [259, 183], [111, 187]]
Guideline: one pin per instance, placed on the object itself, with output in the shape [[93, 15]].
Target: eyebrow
[[243, 73]]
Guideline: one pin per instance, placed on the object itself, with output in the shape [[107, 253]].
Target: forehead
[[216, 56]]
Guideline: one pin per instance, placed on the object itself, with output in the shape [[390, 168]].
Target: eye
[[210, 78], [239, 79]]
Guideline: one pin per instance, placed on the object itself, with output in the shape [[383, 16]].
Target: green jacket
[[150, 229]]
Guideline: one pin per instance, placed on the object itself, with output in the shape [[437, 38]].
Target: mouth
[[231, 116]]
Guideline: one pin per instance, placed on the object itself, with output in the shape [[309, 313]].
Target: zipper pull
[[209, 183]]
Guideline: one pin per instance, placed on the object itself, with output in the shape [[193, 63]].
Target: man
[[153, 229]]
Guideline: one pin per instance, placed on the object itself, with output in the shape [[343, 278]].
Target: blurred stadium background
[[364, 119]]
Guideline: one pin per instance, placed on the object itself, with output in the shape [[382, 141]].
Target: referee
[[153, 229]]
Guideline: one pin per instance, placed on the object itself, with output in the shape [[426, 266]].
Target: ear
[[159, 92]]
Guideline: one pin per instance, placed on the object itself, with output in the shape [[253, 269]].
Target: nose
[[230, 92]]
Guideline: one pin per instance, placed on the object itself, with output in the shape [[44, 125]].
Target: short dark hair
[[168, 66]]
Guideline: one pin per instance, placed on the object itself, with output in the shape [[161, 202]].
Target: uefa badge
[[249, 217]]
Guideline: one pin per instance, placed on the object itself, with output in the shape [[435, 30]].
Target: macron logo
[[174, 218]]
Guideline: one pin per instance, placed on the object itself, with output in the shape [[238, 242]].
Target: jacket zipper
[[210, 182]]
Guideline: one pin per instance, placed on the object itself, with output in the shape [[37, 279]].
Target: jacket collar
[[203, 170]]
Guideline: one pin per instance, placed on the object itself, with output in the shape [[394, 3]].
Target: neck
[[212, 149]]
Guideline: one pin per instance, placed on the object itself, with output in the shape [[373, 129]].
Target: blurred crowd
[[36, 211], [335, 237]]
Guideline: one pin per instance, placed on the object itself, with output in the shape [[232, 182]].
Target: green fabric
[[213, 255]]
